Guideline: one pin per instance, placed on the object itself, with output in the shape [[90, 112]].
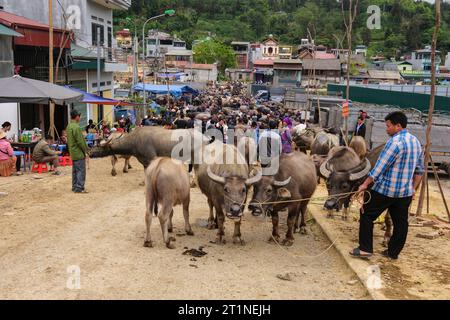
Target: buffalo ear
[[283, 193]]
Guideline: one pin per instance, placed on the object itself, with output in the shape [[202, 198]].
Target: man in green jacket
[[78, 152]]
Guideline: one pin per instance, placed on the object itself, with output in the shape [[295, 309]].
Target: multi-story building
[[85, 18], [242, 54], [447, 61], [162, 42], [269, 48], [421, 59]]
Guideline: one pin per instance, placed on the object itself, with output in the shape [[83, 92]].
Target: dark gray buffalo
[[224, 177], [296, 179], [147, 143], [344, 172]]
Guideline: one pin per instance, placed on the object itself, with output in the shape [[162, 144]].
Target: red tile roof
[[263, 62]]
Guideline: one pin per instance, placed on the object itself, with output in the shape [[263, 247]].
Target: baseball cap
[[74, 113]]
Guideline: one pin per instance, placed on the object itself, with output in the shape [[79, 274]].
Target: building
[[124, 39], [197, 72], [270, 48], [447, 61], [28, 55], [285, 52], [87, 18], [242, 54], [389, 77], [287, 73], [401, 66], [255, 53], [263, 70], [8, 111], [318, 55], [326, 70], [178, 55], [361, 49], [243, 75], [421, 59], [162, 42]]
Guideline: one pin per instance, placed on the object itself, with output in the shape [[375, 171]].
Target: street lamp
[[166, 13]]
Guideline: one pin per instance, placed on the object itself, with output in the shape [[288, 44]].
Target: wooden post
[[51, 129], [432, 100], [440, 187]]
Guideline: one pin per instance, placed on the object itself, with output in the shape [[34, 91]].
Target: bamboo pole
[[440, 187], [432, 100], [51, 129]]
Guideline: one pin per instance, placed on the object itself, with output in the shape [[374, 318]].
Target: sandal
[[357, 254]]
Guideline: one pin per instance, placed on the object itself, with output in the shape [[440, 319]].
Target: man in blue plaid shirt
[[393, 181]]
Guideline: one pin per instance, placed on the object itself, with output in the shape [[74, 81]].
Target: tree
[[213, 51]]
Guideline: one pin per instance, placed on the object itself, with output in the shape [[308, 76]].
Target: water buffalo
[[344, 172], [358, 144], [340, 179], [296, 179], [167, 184], [114, 158], [223, 176], [147, 143], [323, 143]]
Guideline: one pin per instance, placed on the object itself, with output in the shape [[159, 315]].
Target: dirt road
[[45, 229]]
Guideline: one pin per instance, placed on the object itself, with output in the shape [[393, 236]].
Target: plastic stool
[[39, 167], [62, 161], [68, 161]]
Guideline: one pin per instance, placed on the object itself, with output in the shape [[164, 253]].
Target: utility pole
[[51, 129], [98, 61]]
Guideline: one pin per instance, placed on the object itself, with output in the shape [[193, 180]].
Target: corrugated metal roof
[[322, 64], [9, 32]]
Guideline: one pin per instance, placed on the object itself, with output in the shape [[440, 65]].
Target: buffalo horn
[[254, 179], [362, 173], [324, 170], [282, 183], [215, 177]]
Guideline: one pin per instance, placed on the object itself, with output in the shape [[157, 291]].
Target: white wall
[[447, 61], [9, 112]]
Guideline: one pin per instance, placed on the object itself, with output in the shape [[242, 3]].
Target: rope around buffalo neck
[[340, 196]]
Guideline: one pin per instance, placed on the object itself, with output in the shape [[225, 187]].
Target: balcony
[[114, 4]]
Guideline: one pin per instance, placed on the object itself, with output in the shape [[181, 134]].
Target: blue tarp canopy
[[175, 90], [94, 99]]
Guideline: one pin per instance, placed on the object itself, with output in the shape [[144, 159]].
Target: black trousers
[[399, 210]]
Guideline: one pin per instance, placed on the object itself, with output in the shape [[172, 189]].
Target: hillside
[[405, 24]]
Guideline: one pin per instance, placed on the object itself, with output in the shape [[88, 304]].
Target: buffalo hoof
[[239, 241], [189, 232], [303, 230], [330, 215], [170, 245], [142, 184], [172, 239], [385, 241], [125, 171], [212, 225], [274, 239], [220, 241], [288, 242], [148, 244], [170, 230], [129, 167], [114, 173]]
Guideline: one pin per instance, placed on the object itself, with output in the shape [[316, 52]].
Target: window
[[109, 22], [94, 18], [151, 42], [94, 34], [108, 83], [240, 76], [166, 42], [101, 20]]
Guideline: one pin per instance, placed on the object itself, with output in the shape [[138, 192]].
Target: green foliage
[[213, 51], [406, 24]]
